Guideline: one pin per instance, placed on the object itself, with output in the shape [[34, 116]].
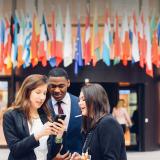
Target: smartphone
[[59, 116]]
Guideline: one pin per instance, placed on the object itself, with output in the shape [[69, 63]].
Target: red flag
[[7, 48], [154, 50], [126, 46], [35, 41]]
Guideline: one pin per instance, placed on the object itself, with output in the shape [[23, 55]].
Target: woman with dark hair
[[104, 140], [27, 125]]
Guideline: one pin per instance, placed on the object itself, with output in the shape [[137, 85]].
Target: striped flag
[[154, 43], [106, 40], [126, 46], [96, 56], [42, 52], [7, 47], [14, 51], [87, 43], [20, 44], [134, 41], [142, 43], [35, 41], [52, 59], [67, 56], [27, 42], [59, 37], [117, 43], [149, 67]]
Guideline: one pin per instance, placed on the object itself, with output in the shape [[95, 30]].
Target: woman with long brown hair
[[104, 140], [28, 126]]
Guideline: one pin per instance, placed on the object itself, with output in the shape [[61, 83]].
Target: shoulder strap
[[87, 142]]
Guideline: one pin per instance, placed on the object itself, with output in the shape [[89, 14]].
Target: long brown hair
[[22, 100], [97, 104]]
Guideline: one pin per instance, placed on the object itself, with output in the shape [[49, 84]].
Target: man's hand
[[65, 156], [76, 156]]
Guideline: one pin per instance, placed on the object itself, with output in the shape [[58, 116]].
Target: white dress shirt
[[66, 106], [41, 150]]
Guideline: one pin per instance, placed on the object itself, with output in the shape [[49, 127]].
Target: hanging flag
[[126, 46], [14, 51], [35, 41], [67, 56], [7, 48], [42, 52], [78, 50], [52, 59], [154, 42], [154, 50], [20, 43], [158, 32], [106, 40], [142, 43], [117, 43], [27, 42], [96, 56], [59, 37], [134, 40], [152, 26], [2, 36], [149, 68], [87, 43]]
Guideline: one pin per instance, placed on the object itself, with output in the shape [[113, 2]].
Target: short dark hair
[[58, 72]]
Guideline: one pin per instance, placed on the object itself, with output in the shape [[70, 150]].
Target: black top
[[106, 140], [19, 140]]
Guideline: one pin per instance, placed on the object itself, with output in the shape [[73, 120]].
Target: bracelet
[[58, 140]]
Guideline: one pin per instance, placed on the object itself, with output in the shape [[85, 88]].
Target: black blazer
[[20, 142], [106, 140]]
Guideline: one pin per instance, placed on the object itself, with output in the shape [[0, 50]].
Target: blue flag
[[78, 51]]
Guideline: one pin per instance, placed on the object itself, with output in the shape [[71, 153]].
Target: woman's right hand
[[49, 128], [59, 128]]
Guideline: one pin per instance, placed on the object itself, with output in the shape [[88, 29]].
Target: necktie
[[60, 110]]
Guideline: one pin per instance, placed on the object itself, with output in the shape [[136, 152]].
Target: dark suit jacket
[[72, 139], [20, 142], [107, 141]]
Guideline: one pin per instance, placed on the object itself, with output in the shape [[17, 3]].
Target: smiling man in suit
[[62, 102]]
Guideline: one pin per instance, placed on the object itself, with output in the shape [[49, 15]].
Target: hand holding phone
[[59, 116], [59, 124]]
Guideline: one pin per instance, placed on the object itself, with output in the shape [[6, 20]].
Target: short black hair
[[58, 72]]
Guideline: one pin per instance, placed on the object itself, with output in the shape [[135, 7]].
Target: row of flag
[[24, 42]]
